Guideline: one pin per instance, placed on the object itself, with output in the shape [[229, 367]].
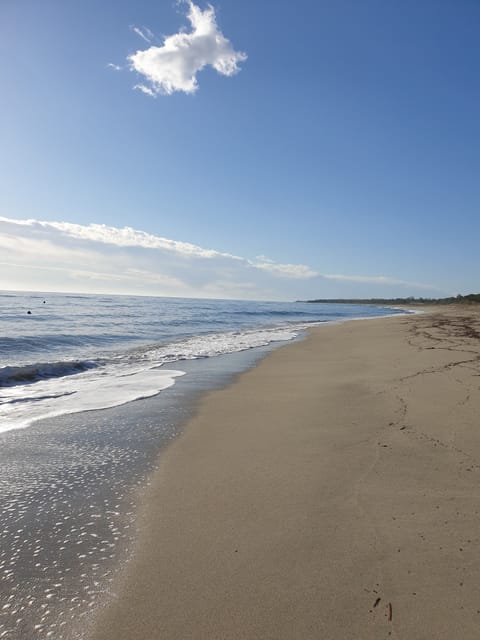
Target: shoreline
[[59, 556], [322, 494]]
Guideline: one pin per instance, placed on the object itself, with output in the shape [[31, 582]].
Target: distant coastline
[[471, 298]]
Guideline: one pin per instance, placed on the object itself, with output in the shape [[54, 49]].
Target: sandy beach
[[331, 492]]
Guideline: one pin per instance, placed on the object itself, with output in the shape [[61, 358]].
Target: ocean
[[64, 354], [92, 387]]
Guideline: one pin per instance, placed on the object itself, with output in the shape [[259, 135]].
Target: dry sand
[[332, 492]]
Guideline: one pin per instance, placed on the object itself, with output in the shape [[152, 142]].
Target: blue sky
[[340, 159]]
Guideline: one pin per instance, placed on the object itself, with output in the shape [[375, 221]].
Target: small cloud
[[378, 280], [369, 279], [149, 33], [115, 67], [296, 271], [174, 66], [146, 90], [144, 33]]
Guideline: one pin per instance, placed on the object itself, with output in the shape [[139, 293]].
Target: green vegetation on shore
[[470, 298]]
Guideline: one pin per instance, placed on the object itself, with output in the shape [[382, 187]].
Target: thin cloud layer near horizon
[[129, 261], [315, 150]]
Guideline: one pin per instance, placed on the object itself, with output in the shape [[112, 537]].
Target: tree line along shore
[[471, 298]]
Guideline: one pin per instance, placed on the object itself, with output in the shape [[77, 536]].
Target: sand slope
[[333, 492]]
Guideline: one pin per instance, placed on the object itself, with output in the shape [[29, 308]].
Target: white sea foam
[[22, 405], [215, 344]]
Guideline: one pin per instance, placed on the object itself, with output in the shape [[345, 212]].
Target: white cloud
[[144, 33], [174, 66], [124, 237], [132, 275], [377, 280], [96, 258], [115, 67], [146, 90], [125, 260], [297, 271]]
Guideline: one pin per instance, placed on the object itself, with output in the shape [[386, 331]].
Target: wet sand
[[331, 492], [69, 487]]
